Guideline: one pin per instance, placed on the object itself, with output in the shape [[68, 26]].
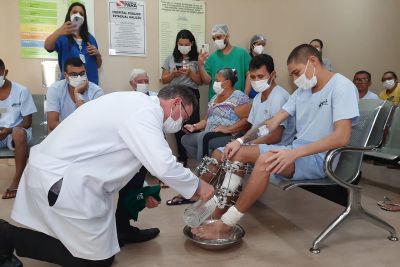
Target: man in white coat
[[66, 195]]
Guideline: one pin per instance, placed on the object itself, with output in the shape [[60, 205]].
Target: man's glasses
[[361, 80]]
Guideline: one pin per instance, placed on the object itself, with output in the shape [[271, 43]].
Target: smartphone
[[205, 48], [178, 67]]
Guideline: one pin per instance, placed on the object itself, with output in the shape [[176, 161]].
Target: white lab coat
[[96, 150]]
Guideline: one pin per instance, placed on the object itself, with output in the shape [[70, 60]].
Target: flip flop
[[9, 194], [179, 200], [386, 200], [391, 207]]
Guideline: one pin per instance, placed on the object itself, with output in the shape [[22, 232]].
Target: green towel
[[135, 201]]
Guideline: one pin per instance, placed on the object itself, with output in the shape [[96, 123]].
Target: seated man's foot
[[213, 231], [179, 200], [10, 261], [9, 193], [135, 235]]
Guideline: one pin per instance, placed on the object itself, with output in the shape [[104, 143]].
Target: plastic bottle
[[198, 212]]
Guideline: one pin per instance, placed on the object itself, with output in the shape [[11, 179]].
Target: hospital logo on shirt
[[16, 105], [323, 103]]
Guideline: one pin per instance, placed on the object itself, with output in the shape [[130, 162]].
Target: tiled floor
[[278, 234]]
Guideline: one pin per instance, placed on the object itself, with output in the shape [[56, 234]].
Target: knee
[[217, 154], [19, 135], [261, 163]]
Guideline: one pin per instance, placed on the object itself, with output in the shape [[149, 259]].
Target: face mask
[[77, 20], [258, 49], [260, 86], [217, 86], [2, 81], [219, 44], [173, 126], [388, 84], [184, 49], [77, 81], [142, 87], [304, 83]]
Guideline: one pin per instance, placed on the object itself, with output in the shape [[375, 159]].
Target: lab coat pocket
[[81, 198]]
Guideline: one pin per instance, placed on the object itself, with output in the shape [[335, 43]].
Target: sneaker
[[135, 235]]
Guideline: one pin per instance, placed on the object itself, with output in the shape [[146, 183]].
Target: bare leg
[[255, 187], [21, 155]]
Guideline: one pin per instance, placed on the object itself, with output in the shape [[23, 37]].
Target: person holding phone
[[181, 68], [73, 39]]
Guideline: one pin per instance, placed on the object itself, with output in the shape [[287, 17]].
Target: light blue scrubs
[[315, 117], [59, 100]]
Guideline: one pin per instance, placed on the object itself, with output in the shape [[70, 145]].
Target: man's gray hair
[[136, 72], [185, 92]]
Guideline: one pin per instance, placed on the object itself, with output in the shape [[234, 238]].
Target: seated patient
[[325, 106], [362, 80], [267, 103], [226, 118], [227, 115], [65, 96], [139, 81], [16, 109]]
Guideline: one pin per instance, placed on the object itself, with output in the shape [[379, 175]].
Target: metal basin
[[217, 244]]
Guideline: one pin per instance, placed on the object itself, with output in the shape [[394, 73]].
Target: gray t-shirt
[[170, 64]]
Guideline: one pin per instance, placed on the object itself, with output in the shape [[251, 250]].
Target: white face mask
[[260, 85], [77, 20], [388, 84], [219, 44], [77, 81], [258, 49], [142, 87], [184, 49], [217, 86], [2, 80], [173, 126], [304, 83]]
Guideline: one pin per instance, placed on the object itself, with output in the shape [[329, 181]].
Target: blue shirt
[[59, 100], [66, 51], [316, 113], [16, 106]]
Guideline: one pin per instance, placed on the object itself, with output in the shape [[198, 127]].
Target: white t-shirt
[[370, 95], [316, 113], [261, 111], [16, 106]]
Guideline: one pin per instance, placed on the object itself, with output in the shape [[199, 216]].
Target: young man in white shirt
[[325, 106], [16, 109]]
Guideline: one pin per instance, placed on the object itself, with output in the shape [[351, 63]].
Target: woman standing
[[181, 68], [73, 39]]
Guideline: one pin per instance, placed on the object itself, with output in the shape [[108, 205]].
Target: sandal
[[391, 207], [9, 194], [179, 200], [386, 200]]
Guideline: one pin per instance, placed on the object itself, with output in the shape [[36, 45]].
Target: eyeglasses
[[361, 80], [187, 114], [75, 75]]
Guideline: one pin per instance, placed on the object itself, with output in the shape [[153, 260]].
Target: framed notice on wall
[[126, 28], [176, 15], [40, 18]]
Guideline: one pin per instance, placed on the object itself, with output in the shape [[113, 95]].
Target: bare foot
[[212, 231]]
